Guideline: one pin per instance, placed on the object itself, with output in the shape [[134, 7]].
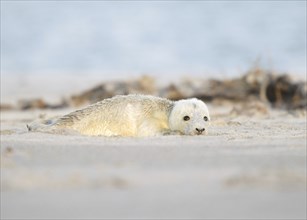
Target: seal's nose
[[200, 130]]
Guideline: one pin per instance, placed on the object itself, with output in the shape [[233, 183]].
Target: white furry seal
[[135, 115]]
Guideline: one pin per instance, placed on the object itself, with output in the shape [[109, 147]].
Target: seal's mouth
[[200, 131], [198, 134]]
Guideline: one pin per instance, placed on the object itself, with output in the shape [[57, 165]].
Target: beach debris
[[6, 107], [26, 104], [143, 85], [280, 91], [32, 104], [171, 92], [276, 90]]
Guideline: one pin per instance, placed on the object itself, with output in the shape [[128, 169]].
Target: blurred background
[[66, 47], [137, 37]]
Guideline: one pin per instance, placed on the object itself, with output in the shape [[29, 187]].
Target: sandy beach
[[251, 165]]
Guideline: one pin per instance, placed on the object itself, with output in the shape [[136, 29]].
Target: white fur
[[134, 115], [196, 110]]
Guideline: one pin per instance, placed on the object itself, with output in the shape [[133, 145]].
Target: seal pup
[[133, 115]]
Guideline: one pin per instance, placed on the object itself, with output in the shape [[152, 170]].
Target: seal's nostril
[[199, 130]]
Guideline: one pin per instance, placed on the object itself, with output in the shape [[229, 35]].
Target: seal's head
[[190, 117]]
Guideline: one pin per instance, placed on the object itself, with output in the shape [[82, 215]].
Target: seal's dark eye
[[206, 118], [186, 118]]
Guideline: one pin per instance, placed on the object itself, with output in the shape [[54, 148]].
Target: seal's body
[[135, 115]]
